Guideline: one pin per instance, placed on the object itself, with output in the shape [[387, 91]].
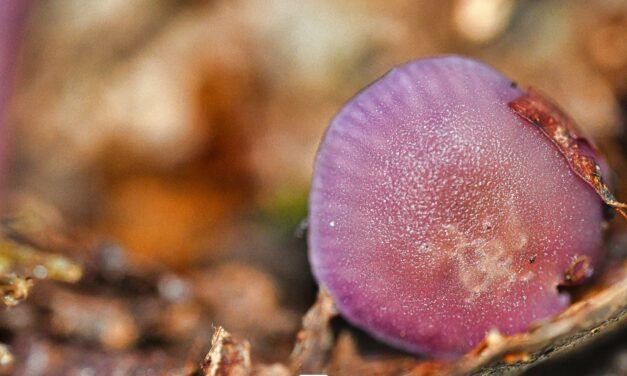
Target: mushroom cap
[[437, 214]]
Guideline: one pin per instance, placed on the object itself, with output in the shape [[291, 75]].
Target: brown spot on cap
[[578, 271]]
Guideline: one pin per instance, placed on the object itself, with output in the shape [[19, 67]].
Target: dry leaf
[[560, 129], [14, 289], [227, 357], [315, 339]]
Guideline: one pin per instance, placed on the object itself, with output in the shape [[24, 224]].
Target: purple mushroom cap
[[437, 213]]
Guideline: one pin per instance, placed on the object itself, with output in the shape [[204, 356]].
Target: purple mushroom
[[437, 213]]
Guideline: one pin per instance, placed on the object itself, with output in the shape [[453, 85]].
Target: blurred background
[[166, 148]]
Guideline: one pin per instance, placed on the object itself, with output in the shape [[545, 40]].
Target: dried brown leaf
[[315, 339], [227, 357], [562, 131], [14, 289], [15, 256]]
